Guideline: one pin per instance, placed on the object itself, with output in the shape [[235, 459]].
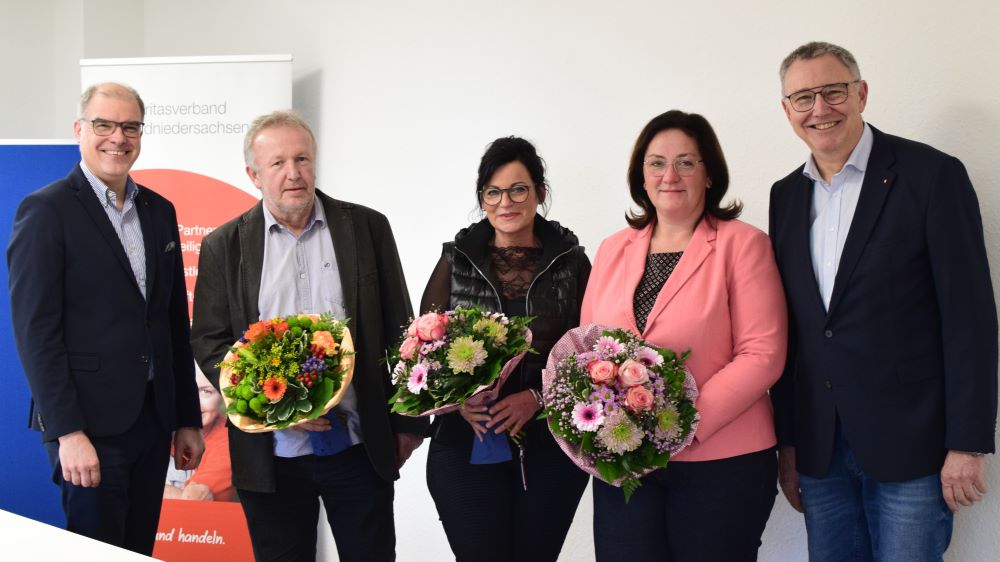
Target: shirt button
[[828, 334], [302, 276]]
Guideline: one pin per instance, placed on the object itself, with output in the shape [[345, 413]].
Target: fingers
[[318, 424], [793, 494], [949, 497], [79, 461]]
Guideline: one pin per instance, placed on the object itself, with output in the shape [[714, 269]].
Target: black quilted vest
[[553, 299]]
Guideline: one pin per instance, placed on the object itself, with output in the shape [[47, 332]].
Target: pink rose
[[602, 372], [431, 326], [411, 331], [408, 348], [633, 373], [639, 399]]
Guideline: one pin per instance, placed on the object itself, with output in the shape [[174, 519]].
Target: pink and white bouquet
[[447, 358], [618, 406]]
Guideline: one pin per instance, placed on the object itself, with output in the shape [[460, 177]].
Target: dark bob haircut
[[505, 150], [696, 127]]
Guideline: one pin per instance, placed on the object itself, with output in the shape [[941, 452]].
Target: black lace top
[[515, 267], [658, 270]]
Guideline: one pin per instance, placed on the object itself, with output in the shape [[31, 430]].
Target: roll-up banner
[[198, 110]]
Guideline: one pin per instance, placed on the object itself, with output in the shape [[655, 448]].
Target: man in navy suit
[[100, 318], [888, 401]]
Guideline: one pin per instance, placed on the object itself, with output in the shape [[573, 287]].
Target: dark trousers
[[487, 514], [689, 511], [124, 509], [358, 506]]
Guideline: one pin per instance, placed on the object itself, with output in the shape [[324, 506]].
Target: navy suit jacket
[[376, 303], [906, 356], [84, 333]]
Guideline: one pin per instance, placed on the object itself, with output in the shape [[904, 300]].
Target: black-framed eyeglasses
[[104, 127], [517, 193], [683, 165], [833, 94]]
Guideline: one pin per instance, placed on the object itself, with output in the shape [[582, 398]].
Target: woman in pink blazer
[[686, 275]]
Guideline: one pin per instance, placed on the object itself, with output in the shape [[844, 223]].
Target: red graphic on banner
[[195, 531], [203, 204]]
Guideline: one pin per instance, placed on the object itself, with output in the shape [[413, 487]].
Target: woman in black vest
[[519, 263]]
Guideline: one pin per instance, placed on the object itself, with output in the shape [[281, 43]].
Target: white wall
[[405, 96]]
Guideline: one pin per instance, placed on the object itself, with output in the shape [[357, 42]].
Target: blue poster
[[26, 486]]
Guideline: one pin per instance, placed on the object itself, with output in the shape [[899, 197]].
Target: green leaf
[[609, 471]]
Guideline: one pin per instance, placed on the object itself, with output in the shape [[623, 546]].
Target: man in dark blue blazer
[[888, 400], [100, 319]]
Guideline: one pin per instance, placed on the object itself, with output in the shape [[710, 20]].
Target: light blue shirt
[[832, 212], [301, 275], [125, 222]]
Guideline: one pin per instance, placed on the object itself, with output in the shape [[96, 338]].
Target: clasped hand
[[509, 414]]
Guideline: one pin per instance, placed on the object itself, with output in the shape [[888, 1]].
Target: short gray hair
[[816, 49], [274, 119], [112, 90]]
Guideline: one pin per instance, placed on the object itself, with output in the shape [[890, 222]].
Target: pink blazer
[[725, 303]]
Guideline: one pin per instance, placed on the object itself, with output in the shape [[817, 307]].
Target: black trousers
[[124, 509], [358, 506], [689, 511], [487, 514]]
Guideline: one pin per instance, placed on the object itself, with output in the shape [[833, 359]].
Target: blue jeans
[[851, 517]]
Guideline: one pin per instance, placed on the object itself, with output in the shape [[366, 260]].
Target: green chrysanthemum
[[619, 435], [465, 354], [667, 422], [491, 328]]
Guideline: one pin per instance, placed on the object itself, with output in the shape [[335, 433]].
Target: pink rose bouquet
[[447, 358], [284, 371], [618, 406]]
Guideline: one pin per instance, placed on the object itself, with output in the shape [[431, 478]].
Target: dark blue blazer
[[85, 335], [906, 356]]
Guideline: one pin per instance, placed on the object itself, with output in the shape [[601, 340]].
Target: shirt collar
[[105, 195], [858, 159], [317, 218]]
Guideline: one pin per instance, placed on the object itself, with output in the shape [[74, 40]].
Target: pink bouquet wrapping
[[616, 405]]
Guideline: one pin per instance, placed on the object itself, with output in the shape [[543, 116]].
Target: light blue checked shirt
[[832, 212], [301, 275]]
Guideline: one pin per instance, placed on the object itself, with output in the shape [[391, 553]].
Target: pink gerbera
[[418, 378], [649, 356], [588, 416], [608, 346]]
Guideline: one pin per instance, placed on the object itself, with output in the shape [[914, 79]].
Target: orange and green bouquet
[[285, 371]]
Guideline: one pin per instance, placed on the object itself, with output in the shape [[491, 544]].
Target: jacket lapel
[[251, 234], [148, 239], [799, 241], [702, 245], [874, 190], [85, 194], [341, 227]]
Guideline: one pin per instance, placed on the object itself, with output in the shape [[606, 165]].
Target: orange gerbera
[[274, 388], [279, 327], [256, 331]]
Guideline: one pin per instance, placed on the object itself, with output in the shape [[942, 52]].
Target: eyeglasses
[[517, 193], [103, 127], [657, 166], [833, 94]]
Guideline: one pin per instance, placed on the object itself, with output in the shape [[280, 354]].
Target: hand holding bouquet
[[616, 405], [285, 371], [450, 358]]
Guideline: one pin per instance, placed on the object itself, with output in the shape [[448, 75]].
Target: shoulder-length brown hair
[[698, 128]]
